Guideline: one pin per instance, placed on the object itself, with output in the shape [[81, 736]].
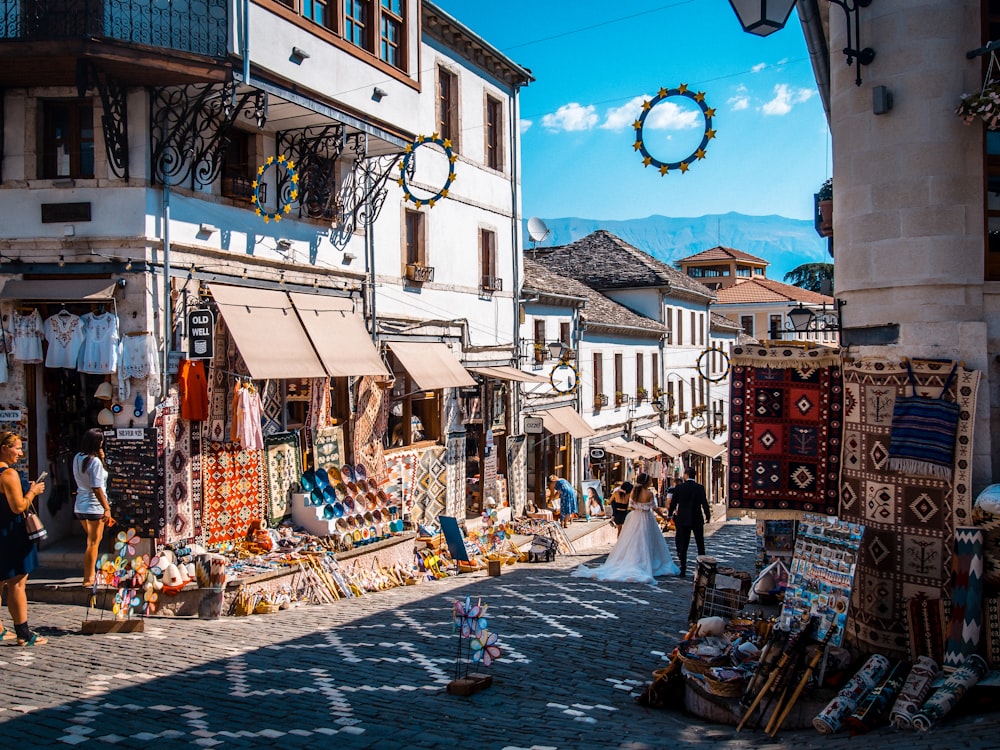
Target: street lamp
[[555, 349], [763, 17], [806, 320]]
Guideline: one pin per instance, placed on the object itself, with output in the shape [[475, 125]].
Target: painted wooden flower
[[484, 648], [140, 566], [150, 597], [470, 619], [126, 600]]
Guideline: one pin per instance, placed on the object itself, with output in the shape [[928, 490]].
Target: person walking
[[690, 511], [568, 500], [619, 505], [18, 555], [91, 506]]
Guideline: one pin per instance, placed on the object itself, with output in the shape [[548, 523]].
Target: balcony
[[419, 273], [41, 40], [491, 284]]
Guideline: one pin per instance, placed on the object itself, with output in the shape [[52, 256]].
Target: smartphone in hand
[[42, 477]]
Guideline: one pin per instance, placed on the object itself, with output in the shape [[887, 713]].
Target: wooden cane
[[784, 664], [797, 649], [810, 668]]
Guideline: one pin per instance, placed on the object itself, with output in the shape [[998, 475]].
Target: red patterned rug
[[784, 446], [235, 491], [909, 520]]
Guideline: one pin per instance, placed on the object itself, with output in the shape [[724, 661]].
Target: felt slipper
[[6, 635], [34, 640]]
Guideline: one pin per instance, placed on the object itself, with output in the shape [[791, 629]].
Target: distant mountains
[[785, 243]]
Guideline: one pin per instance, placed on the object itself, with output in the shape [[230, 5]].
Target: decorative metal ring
[[552, 378], [404, 166], [647, 107], [703, 369], [283, 208]]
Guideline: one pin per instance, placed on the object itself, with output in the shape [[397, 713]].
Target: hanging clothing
[[99, 355], [64, 334], [27, 332], [251, 437], [193, 386], [140, 360]]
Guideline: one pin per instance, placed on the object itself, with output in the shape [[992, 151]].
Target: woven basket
[[266, 608], [701, 666], [724, 688]]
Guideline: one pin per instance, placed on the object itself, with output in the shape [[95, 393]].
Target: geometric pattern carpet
[[235, 491], [284, 469], [430, 483], [910, 520]]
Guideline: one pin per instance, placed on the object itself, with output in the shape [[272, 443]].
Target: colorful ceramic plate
[[349, 504], [334, 473], [338, 510], [347, 473], [360, 472], [316, 496], [342, 524], [357, 535], [308, 481], [322, 478], [328, 512], [329, 495]]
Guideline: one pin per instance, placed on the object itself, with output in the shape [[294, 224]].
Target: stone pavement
[[371, 673]]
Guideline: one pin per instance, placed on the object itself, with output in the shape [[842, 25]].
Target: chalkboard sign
[[135, 488]]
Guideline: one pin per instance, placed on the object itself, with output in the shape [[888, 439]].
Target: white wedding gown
[[640, 555]]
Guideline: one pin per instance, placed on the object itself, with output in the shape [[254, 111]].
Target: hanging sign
[[201, 334], [533, 425]]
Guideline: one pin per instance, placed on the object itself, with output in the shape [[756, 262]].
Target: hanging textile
[[247, 417], [27, 333], [784, 446], [139, 360], [909, 520], [234, 491], [966, 598], [368, 449], [174, 446], [193, 387], [923, 430], [284, 469], [64, 334], [271, 408], [99, 354]]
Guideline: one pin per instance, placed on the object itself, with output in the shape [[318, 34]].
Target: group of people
[[641, 553], [18, 552]]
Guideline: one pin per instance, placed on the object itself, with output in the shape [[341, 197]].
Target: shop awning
[[267, 332], [627, 448], [503, 372], [59, 290], [431, 365], [565, 419], [338, 335], [663, 440], [702, 445]]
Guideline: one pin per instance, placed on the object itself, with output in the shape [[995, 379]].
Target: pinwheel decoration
[[126, 542], [126, 600], [470, 619], [484, 648], [149, 597]]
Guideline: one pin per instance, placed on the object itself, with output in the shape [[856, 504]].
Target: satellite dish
[[537, 229]]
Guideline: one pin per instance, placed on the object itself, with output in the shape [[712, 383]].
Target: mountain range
[[785, 243]]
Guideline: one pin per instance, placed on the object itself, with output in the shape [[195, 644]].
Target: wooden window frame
[[655, 372], [75, 139], [744, 319], [446, 106], [598, 375], [540, 352], [414, 238], [619, 374], [487, 258], [680, 327], [236, 179], [493, 134], [640, 375]]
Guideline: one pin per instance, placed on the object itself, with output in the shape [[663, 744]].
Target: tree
[[812, 276]]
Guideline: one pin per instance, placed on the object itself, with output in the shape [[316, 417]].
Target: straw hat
[[104, 392], [105, 418]]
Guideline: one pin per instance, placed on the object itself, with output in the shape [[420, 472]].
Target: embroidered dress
[[99, 355], [138, 360], [28, 332], [64, 333]]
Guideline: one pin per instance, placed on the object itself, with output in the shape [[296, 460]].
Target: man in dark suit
[[690, 511]]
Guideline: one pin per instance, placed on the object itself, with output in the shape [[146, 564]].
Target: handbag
[[33, 525], [924, 431]]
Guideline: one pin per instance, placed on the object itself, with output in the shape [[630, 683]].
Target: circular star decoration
[[404, 166], [703, 366], [283, 208], [564, 382], [699, 153]]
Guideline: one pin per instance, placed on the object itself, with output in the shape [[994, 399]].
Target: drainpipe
[[246, 41], [167, 302]]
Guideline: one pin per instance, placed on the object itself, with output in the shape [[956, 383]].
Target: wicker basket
[[266, 608], [724, 688], [700, 666]]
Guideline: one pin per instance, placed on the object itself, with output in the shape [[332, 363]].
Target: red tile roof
[[768, 290], [723, 253]]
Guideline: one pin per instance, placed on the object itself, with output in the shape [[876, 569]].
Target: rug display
[[369, 428], [909, 519], [966, 598], [401, 468], [925, 622], [876, 704], [328, 448], [235, 491], [990, 525], [430, 483], [872, 672], [226, 364], [950, 693], [284, 469], [991, 630], [272, 407], [914, 691], [784, 446], [175, 450]]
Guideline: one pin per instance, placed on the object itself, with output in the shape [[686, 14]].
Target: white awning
[[565, 419], [627, 448], [702, 445], [663, 440], [267, 332], [431, 365], [503, 372], [339, 335]]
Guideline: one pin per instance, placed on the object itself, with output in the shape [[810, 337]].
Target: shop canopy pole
[[167, 312]]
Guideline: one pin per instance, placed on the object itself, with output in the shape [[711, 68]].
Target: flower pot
[[824, 218]]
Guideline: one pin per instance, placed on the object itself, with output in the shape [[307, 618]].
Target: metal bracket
[[190, 126], [114, 121], [315, 151], [363, 191]]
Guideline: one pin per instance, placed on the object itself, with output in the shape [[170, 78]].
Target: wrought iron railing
[[197, 26]]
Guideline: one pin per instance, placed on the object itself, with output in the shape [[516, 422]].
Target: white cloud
[[623, 116], [525, 125], [785, 98], [572, 116], [739, 102], [669, 116], [758, 67]]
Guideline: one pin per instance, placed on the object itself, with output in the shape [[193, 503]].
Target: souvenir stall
[[882, 608]]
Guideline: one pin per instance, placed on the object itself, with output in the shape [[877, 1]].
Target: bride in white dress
[[641, 553]]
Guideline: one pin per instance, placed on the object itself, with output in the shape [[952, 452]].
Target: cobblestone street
[[371, 673]]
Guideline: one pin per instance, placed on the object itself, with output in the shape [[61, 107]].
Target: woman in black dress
[[619, 504]]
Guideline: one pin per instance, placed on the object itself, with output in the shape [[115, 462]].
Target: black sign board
[[134, 485], [201, 334]]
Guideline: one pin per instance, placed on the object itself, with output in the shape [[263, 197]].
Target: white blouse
[[27, 333], [100, 345], [64, 332]]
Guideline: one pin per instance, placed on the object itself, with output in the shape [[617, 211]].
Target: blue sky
[[595, 62]]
